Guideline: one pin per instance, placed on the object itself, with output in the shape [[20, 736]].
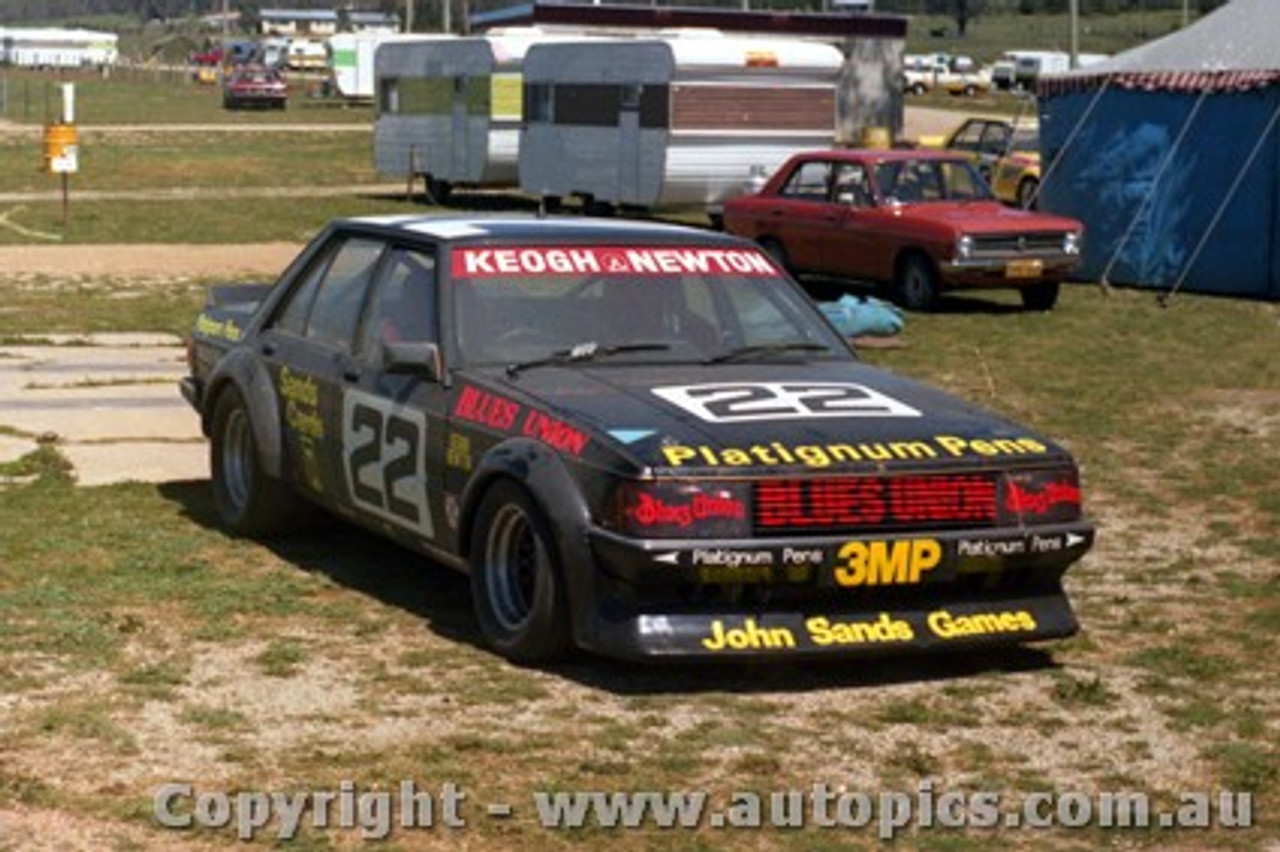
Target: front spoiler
[[942, 625]]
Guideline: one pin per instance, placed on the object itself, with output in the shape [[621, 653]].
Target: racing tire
[[1027, 190], [249, 501], [1040, 297], [778, 253], [916, 283], [517, 583]]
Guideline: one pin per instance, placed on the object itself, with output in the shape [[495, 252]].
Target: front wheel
[[1040, 297], [916, 283], [1027, 191], [248, 500], [517, 583]]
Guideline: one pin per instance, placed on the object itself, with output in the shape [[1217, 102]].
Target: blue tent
[[1170, 155]]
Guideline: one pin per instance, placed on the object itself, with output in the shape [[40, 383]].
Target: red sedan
[[255, 86], [923, 222]]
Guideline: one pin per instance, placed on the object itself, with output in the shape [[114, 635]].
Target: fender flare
[[542, 472], [248, 375]]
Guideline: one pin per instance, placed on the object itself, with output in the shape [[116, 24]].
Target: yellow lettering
[[677, 456], [749, 636], [823, 631], [886, 563], [948, 626]]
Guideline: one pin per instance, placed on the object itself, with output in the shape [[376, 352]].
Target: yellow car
[[1006, 152]]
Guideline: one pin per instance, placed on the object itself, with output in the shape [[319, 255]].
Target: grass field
[[141, 646], [145, 96], [132, 660], [988, 36]]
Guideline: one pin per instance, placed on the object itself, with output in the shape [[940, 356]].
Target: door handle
[[351, 374], [268, 349]]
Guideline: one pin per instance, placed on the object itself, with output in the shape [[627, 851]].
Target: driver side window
[[326, 306], [809, 182], [403, 304]]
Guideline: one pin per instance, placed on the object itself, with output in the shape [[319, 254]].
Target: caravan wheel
[[438, 191]]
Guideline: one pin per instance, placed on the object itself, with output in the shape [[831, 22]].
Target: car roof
[[882, 155], [514, 228]]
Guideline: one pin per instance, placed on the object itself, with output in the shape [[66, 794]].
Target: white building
[[58, 48]]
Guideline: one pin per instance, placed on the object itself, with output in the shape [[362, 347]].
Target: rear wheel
[[916, 284], [1040, 297], [517, 582], [248, 500]]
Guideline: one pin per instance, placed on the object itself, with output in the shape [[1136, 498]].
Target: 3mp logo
[[743, 401], [382, 451], [886, 563]]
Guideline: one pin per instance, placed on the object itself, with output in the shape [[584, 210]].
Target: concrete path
[[112, 402]]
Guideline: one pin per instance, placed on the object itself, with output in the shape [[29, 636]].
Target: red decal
[[486, 409], [651, 511], [1041, 503], [852, 502], [609, 260], [555, 433]]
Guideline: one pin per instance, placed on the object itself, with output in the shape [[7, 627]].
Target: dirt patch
[[149, 260]]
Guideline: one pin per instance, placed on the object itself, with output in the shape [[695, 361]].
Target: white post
[[68, 103]]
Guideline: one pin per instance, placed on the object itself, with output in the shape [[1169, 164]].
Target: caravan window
[[539, 103], [389, 95]]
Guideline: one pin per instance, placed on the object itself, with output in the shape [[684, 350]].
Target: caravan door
[[460, 123], [629, 144]]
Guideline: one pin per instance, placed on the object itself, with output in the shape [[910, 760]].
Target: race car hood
[[756, 417]]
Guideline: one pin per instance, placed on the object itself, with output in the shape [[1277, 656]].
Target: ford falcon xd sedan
[[637, 439], [921, 222]]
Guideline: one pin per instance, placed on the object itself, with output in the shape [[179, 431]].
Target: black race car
[[638, 439]]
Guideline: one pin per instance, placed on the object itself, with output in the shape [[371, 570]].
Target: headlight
[[657, 509], [1071, 242], [964, 247]]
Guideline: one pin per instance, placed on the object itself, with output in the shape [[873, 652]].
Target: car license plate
[[1023, 269]]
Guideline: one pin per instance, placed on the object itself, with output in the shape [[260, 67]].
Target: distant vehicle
[[958, 75], [1006, 151], [352, 58], [229, 53], [638, 439], [255, 86], [306, 55], [922, 222]]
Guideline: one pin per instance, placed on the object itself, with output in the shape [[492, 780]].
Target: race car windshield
[[536, 306]]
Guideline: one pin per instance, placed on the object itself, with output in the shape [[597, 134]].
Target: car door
[[307, 347], [852, 246], [801, 215], [393, 412]]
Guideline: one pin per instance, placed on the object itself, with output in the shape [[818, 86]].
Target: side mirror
[[412, 357]]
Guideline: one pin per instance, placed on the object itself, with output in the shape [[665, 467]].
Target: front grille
[[824, 505], [1016, 245]]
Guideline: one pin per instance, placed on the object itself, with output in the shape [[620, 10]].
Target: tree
[[961, 11]]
